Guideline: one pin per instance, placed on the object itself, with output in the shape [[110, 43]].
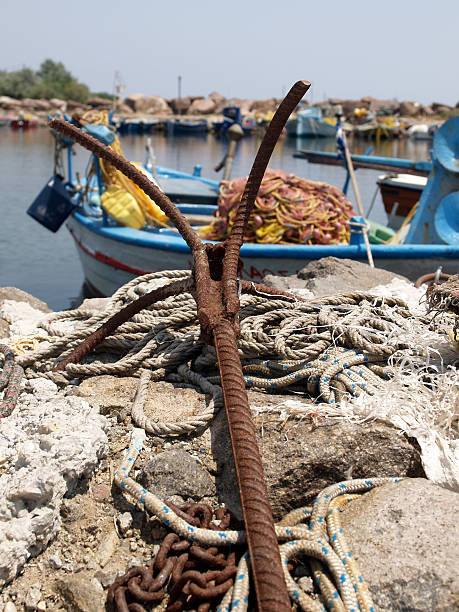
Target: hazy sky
[[404, 49]]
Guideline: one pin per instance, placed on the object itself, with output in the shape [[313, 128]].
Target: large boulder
[[410, 109], [36, 105], [402, 536], [155, 105], [100, 103], [73, 105], [9, 103], [136, 102], [264, 106], [333, 275], [218, 98], [381, 107], [314, 458], [180, 106], [205, 106], [438, 107], [58, 104]]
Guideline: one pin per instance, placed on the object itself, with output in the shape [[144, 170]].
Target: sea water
[[47, 265]]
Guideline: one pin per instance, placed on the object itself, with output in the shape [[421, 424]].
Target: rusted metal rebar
[[215, 290]]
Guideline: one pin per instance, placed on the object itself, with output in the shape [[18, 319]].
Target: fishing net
[[287, 209]]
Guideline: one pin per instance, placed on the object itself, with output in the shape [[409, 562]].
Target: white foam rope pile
[[320, 538]]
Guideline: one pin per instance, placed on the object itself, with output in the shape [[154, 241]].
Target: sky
[[404, 50]]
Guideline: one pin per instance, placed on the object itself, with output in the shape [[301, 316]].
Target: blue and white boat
[[112, 255], [310, 123]]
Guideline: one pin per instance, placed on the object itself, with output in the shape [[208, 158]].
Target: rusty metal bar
[[215, 291]]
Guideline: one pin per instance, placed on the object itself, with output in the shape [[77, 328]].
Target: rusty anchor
[[215, 287]]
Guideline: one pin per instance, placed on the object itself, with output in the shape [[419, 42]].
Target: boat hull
[[112, 256]]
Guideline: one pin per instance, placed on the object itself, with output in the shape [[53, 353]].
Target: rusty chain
[[191, 576], [215, 290]]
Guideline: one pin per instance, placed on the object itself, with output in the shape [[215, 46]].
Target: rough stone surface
[[46, 445], [202, 107], [331, 275], [11, 293], [82, 593], [176, 472], [404, 537], [300, 460]]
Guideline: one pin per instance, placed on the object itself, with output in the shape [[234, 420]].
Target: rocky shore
[[67, 531], [211, 107]]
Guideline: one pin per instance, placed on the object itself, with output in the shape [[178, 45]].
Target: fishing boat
[[232, 115], [310, 122], [400, 187], [112, 254], [187, 126], [400, 193]]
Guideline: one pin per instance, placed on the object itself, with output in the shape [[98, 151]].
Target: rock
[[55, 441], [263, 106], [9, 607], [180, 106], [36, 105], [4, 329], [9, 103], [381, 107], [205, 106], [73, 105], [124, 109], [136, 102], [409, 109], [59, 104], [97, 102], [313, 458], [105, 578], [82, 593], [402, 536], [32, 597], [100, 492], [156, 105], [165, 402], [107, 547], [176, 472], [11, 293], [124, 521], [54, 561], [21, 316], [438, 107], [331, 275], [219, 99]]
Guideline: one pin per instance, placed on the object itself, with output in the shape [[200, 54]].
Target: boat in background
[[24, 121], [310, 122], [136, 126], [187, 126], [5, 119], [400, 191], [232, 115], [112, 255]]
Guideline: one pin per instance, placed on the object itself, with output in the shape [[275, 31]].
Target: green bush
[[52, 80]]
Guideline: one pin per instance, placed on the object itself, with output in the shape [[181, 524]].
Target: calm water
[[46, 264]]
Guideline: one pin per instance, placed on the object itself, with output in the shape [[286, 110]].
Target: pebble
[[10, 607], [107, 548], [124, 522], [100, 492]]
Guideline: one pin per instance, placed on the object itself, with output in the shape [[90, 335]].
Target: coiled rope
[[330, 347]]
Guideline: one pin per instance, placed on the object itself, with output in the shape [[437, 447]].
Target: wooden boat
[[111, 255], [399, 193], [310, 123], [187, 126]]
